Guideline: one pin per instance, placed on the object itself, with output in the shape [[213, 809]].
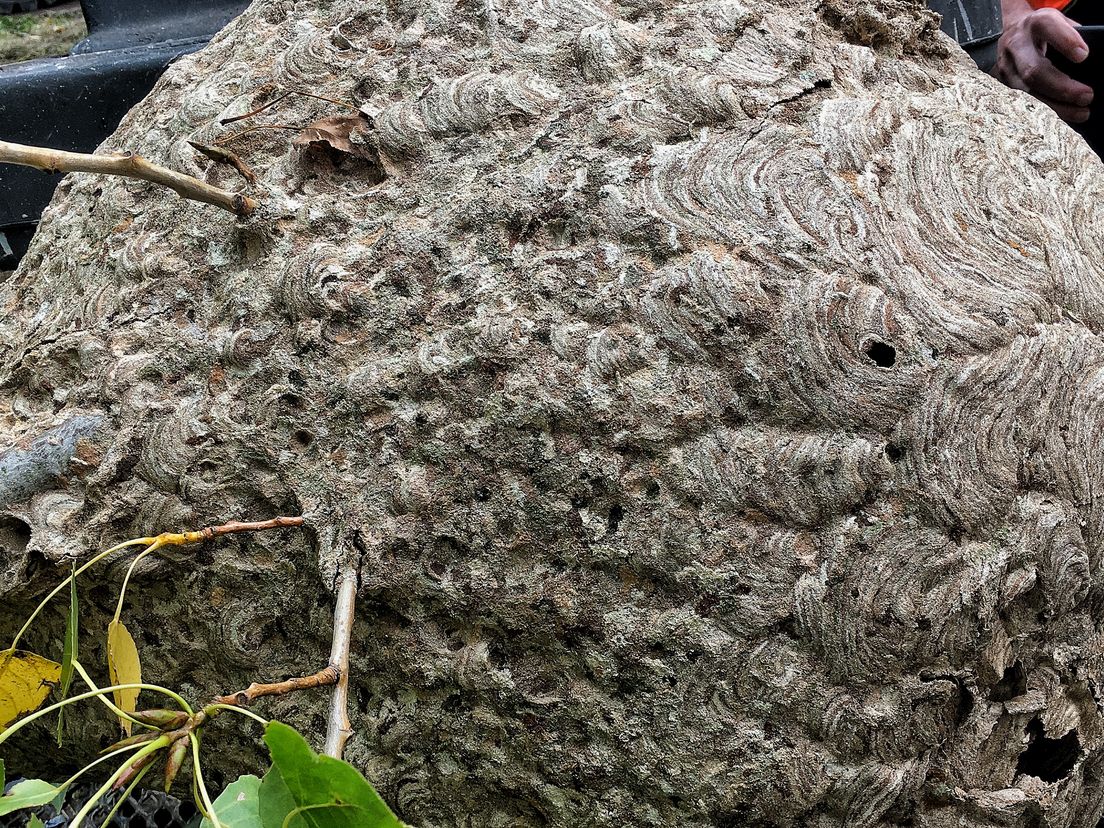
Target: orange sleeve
[[1049, 4]]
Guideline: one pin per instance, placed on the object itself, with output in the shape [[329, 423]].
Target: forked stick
[[336, 673], [129, 166]]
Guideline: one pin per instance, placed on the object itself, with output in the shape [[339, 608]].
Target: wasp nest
[[711, 394]]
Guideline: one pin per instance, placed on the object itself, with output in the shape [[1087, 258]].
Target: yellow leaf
[[123, 667], [26, 680]]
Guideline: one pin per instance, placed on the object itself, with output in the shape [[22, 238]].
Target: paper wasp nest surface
[[711, 393]]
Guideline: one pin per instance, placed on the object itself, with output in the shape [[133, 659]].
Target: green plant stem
[[212, 710], [165, 538], [118, 711], [94, 762], [152, 747], [199, 802], [125, 795], [153, 547], [91, 694], [26, 626], [207, 803]]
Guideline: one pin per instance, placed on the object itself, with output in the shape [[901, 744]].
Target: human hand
[[1022, 62]]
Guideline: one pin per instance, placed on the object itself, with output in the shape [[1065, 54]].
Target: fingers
[[1068, 113], [1023, 63], [1049, 27], [1043, 79]]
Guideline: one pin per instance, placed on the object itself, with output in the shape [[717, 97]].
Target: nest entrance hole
[[1048, 759]]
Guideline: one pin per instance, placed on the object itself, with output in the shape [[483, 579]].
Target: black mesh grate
[[144, 809]]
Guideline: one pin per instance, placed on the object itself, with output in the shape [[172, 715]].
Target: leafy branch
[[300, 790]]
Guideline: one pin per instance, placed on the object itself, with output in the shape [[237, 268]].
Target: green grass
[[29, 36], [16, 24]]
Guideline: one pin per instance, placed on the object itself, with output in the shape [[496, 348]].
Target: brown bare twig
[[256, 111], [226, 139], [128, 166], [235, 526], [231, 528], [221, 155], [325, 677], [353, 107]]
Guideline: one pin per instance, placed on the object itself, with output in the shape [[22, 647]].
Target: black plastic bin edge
[[74, 103]]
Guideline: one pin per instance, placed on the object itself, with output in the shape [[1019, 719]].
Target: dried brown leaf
[[335, 133]]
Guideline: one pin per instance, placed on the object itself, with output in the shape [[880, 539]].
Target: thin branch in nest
[[226, 139], [235, 526], [340, 728], [257, 111], [325, 677], [128, 166], [208, 532], [287, 94], [353, 107]]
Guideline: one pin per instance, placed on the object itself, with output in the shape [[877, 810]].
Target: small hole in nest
[[616, 513], [15, 534], [35, 561], [453, 703], [965, 704], [1013, 684], [291, 400], [894, 452], [301, 440], [881, 354]]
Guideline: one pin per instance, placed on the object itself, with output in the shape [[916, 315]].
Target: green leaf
[[278, 809], [69, 650], [326, 792], [275, 800], [236, 806], [35, 822], [330, 815], [30, 793]]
